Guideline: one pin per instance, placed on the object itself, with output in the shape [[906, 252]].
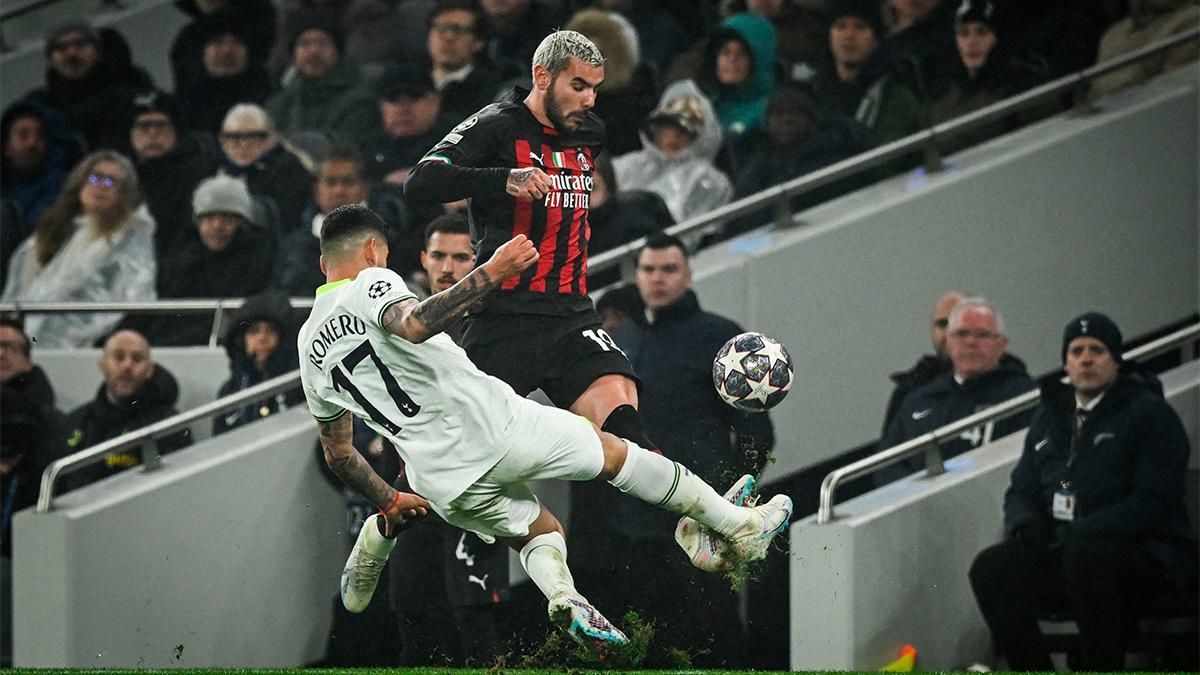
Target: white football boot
[[768, 521], [705, 548], [585, 624], [365, 564]]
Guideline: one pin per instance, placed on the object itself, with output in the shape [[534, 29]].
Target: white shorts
[[550, 444]]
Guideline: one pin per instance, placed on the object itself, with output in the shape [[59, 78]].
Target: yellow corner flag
[[904, 664]]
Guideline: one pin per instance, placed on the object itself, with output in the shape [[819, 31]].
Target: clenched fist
[[513, 257]]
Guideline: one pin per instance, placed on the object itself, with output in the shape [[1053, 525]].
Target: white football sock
[[657, 480], [545, 561]]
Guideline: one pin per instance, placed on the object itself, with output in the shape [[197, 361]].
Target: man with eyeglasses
[[929, 366], [465, 78], [982, 375], [1095, 521]]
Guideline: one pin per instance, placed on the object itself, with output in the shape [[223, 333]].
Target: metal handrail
[[779, 196], [930, 442], [148, 436]]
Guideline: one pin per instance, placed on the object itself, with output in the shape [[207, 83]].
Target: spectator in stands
[[327, 96], [681, 139], [922, 38], [95, 244], [255, 153], [256, 17], [618, 304], [799, 30], [982, 375], [261, 344], [136, 392], [858, 80], [227, 74], [369, 26], [630, 89], [31, 426], [90, 81], [463, 73], [1094, 518], [986, 71], [39, 150], [659, 32], [171, 162], [928, 366], [413, 122], [618, 216], [516, 28], [738, 73], [670, 346], [340, 181], [1148, 21], [232, 257], [446, 583]]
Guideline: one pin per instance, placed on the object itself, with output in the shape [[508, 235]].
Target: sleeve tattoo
[[349, 464], [417, 321]]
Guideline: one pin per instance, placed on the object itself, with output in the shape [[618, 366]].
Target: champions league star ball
[[752, 372]]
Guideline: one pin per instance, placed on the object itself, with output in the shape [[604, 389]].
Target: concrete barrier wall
[[1078, 213], [892, 569], [227, 556]]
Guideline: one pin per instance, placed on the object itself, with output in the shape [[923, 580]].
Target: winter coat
[[35, 192], [927, 368], [944, 400], [925, 45], [1127, 474], [32, 425], [187, 51], [1143, 26], [672, 355], [384, 153], [205, 100], [480, 88], [168, 183], [766, 163], [742, 108], [88, 268], [101, 420], [1001, 77], [272, 307], [337, 104], [687, 181], [280, 176], [877, 98]]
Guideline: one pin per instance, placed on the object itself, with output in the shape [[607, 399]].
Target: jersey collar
[[325, 288]]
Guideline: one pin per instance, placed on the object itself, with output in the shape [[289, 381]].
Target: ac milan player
[[526, 167]]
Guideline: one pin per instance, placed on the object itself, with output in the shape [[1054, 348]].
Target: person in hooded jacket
[[227, 75], [136, 393], [983, 375], [39, 149], [1095, 520], [257, 17], [739, 72], [922, 38], [261, 345], [681, 138]]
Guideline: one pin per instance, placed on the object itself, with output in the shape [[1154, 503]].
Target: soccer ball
[[752, 372]]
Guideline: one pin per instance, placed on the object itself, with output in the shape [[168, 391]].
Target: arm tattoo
[[438, 311], [349, 465]]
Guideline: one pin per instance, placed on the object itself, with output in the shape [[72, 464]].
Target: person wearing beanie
[[1094, 518], [256, 18], [229, 256], [225, 76], [326, 95], [170, 161], [261, 344]]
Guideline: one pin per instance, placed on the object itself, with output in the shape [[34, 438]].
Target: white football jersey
[[449, 421]]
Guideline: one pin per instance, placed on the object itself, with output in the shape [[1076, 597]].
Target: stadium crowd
[[115, 189]]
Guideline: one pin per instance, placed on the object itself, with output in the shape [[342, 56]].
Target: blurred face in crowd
[[570, 94], [13, 357], [225, 56], [670, 139], [126, 365], [788, 124], [453, 39], [102, 188], [733, 63], [26, 144], [244, 141], [315, 53], [974, 343], [1091, 368], [663, 275], [339, 183], [405, 116], [260, 341], [73, 54], [152, 135], [447, 258], [851, 41], [217, 230], [939, 321], [975, 42]]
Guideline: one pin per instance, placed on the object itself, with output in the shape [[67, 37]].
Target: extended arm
[[418, 321], [438, 181]]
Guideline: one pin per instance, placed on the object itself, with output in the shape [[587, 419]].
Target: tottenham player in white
[[469, 443]]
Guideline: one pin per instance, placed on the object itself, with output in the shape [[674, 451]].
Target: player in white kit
[[469, 443]]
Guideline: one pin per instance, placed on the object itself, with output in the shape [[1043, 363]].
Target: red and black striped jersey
[[507, 136]]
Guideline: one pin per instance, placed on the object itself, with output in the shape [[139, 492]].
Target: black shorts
[[561, 355]]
